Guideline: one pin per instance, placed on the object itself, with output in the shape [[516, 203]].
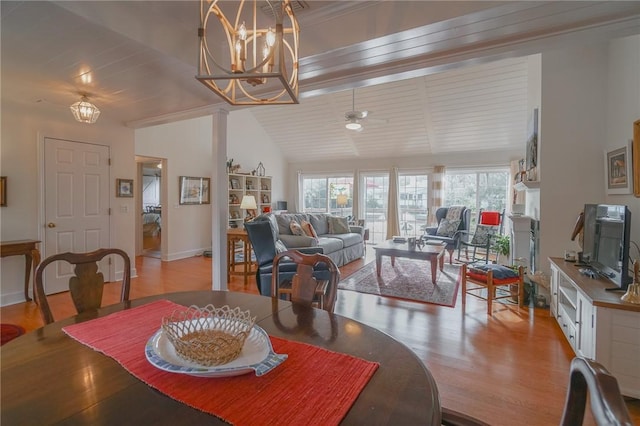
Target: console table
[[597, 324], [26, 248]]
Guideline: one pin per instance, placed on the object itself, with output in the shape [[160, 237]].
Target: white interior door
[[76, 205]]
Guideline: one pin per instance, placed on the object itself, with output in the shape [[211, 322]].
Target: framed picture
[[235, 183], [3, 191], [618, 170], [194, 190], [124, 187], [635, 153], [532, 146]]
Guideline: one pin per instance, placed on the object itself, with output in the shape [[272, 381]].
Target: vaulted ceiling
[[436, 77]]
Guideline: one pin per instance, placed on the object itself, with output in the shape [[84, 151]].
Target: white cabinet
[[597, 324], [239, 186]]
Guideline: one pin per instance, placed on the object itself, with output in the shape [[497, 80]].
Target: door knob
[[51, 225]]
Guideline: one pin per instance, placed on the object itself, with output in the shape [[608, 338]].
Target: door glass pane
[[412, 190], [375, 206]]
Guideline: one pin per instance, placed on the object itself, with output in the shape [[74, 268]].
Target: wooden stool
[[481, 281]]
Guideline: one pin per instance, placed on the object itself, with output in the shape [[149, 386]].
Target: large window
[[413, 203], [488, 190], [327, 194]]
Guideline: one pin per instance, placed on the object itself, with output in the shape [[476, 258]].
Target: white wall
[[589, 101], [248, 145], [623, 108], [187, 147], [24, 128]]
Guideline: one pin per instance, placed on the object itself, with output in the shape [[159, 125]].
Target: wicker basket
[[208, 336]]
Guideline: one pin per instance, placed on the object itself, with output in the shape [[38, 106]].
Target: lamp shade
[[342, 200], [248, 202]]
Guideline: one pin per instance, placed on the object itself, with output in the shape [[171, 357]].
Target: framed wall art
[[194, 190], [635, 153], [124, 187], [3, 191], [618, 170]]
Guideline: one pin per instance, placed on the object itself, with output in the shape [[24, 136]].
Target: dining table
[[48, 377]]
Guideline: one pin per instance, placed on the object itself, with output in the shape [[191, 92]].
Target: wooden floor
[[509, 369]]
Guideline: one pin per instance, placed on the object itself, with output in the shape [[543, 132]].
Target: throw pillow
[[481, 236], [338, 225], [280, 247], [454, 212], [500, 272], [308, 229], [447, 227], [296, 229]]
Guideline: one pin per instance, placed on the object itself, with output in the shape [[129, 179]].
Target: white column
[[219, 198]]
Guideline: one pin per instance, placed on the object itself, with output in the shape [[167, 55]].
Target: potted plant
[[501, 246]]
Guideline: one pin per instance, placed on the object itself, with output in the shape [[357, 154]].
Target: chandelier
[[84, 111], [248, 51]]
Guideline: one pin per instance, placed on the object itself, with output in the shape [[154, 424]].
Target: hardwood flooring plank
[[508, 369]]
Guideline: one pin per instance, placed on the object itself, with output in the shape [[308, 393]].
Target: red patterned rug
[[409, 279]]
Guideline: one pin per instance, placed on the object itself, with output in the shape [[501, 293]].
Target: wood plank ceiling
[[437, 77]]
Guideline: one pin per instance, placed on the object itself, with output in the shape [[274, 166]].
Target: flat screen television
[[606, 241]]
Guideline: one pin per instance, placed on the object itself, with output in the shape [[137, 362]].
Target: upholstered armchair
[[449, 225], [265, 246]]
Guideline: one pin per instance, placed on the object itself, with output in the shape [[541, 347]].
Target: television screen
[[606, 241]]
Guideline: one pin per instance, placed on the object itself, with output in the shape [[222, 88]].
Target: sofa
[[342, 247]]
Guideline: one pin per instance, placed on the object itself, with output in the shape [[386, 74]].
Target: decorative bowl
[[208, 336]]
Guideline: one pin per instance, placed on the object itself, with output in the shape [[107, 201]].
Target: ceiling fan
[[353, 119]]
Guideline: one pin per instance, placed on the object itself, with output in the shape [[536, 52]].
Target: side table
[[28, 249], [235, 235]]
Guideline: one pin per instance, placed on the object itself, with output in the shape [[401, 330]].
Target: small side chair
[[87, 285]]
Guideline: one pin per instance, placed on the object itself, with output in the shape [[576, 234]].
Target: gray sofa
[[341, 248]]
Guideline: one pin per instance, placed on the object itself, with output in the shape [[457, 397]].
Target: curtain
[[296, 191], [393, 210], [437, 193], [355, 195]]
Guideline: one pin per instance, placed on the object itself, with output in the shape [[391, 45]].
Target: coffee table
[[430, 253]]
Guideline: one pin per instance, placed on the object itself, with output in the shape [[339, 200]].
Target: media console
[[597, 324]]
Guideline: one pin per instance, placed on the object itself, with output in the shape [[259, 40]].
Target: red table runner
[[313, 386]]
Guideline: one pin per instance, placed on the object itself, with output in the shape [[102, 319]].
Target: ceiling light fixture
[[353, 125], [257, 61], [84, 111]]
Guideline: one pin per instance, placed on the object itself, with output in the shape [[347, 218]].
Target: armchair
[[446, 231], [265, 247]]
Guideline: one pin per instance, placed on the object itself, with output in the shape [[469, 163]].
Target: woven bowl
[[208, 336]]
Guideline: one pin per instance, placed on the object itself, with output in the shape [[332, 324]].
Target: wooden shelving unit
[[241, 185]]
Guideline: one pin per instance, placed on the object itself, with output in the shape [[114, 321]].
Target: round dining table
[[48, 377]]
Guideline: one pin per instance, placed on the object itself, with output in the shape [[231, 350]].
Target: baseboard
[[186, 254]]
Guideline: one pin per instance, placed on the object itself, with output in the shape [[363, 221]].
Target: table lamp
[[341, 201], [249, 204]]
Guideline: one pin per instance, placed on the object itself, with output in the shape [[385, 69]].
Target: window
[[488, 189], [375, 205], [327, 194], [413, 199]]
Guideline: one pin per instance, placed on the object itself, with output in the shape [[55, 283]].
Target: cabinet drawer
[[567, 324]]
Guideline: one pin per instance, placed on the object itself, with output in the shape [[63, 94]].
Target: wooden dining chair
[[314, 280], [87, 285]]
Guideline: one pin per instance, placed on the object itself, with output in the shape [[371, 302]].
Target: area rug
[[408, 279]]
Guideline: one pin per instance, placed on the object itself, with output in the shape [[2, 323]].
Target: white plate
[[257, 355]]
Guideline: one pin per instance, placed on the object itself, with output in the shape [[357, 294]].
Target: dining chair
[[87, 285], [585, 377], [306, 286]]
